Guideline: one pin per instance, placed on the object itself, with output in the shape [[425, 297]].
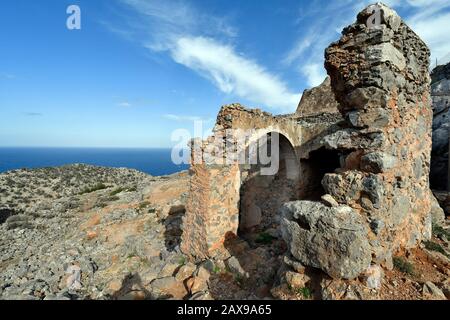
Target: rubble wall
[[212, 209], [380, 76]]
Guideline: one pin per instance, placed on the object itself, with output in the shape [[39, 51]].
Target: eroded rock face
[[332, 239]]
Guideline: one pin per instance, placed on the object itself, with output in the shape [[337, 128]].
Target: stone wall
[[213, 209], [380, 79]]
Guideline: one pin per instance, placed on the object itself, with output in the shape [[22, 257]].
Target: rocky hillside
[[84, 232], [80, 231]]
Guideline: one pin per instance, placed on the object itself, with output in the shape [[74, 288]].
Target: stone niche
[[379, 201]]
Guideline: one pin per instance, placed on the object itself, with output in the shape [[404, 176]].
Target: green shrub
[[440, 232], [433, 246], [217, 269], [305, 292], [97, 187], [404, 266], [117, 191], [144, 205]]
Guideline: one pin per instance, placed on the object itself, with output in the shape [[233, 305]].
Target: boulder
[[331, 239]]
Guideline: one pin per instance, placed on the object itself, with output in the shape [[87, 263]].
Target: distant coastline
[[155, 161]]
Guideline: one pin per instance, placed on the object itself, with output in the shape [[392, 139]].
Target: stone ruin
[[352, 189]]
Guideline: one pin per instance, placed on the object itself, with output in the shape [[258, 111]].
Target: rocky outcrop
[[318, 100], [440, 93], [380, 78]]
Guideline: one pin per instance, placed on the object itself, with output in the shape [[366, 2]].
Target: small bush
[[305, 292], [217, 269], [144, 205], [440, 232], [402, 265], [433, 246], [122, 189], [117, 191], [97, 187], [182, 261]]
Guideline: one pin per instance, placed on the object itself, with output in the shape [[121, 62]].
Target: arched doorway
[[263, 192]]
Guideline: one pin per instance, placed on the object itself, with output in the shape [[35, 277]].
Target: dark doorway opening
[[320, 162]]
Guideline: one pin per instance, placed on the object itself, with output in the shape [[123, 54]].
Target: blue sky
[[139, 69]]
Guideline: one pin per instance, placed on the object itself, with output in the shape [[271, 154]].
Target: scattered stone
[[330, 201], [196, 284], [374, 277], [235, 267], [296, 280], [168, 287], [430, 289], [185, 271], [74, 280]]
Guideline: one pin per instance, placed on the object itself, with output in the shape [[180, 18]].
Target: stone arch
[[262, 193]]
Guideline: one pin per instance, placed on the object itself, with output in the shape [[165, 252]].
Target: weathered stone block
[[331, 239]]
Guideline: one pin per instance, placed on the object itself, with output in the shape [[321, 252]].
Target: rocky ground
[[84, 232]]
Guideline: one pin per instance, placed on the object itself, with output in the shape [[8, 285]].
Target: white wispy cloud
[[185, 118], [201, 42], [233, 73]]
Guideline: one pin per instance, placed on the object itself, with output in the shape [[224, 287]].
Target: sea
[[156, 162]]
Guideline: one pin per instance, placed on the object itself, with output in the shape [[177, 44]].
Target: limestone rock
[[168, 287], [329, 200], [431, 290], [331, 239], [378, 162], [374, 277], [296, 280], [295, 265], [235, 267], [437, 213]]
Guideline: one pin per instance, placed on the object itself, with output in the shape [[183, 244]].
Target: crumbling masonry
[[368, 204]]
